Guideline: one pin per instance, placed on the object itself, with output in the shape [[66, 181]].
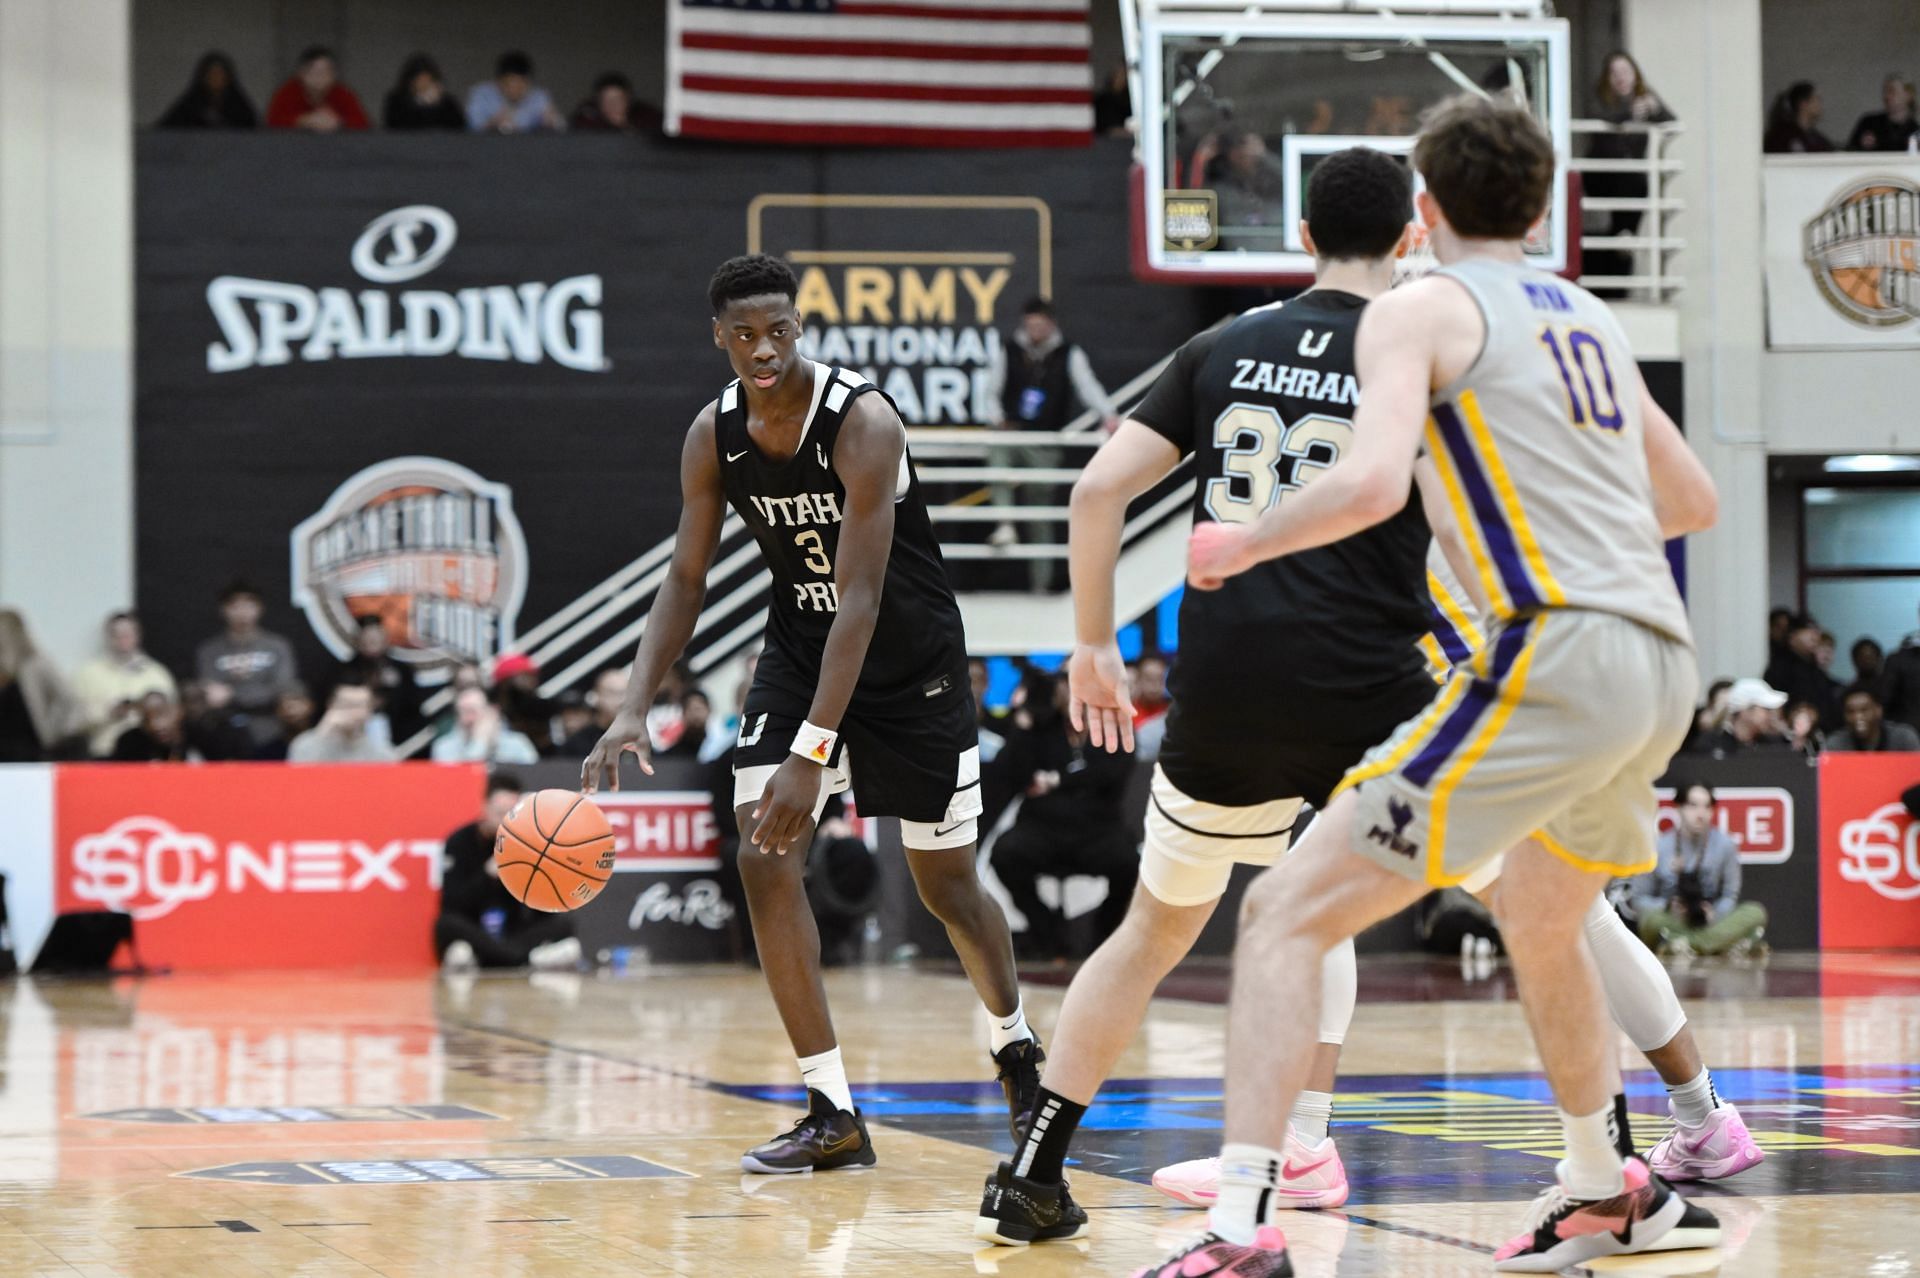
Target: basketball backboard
[[1239, 105]]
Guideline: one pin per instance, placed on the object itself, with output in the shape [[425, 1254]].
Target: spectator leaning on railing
[[1894, 127], [511, 102], [313, 98], [1623, 100], [1791, 121], [1868, 728], [1690, 902], [419, 99], [213, 99]]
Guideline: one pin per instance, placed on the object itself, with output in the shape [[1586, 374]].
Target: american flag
[[987, 73]]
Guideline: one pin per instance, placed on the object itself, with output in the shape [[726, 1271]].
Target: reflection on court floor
[[409, 1126]]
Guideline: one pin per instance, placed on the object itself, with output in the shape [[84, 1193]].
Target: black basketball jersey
[[917, 658], [1265, 404]]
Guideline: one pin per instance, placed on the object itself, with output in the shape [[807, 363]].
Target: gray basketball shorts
[[1556, 730]]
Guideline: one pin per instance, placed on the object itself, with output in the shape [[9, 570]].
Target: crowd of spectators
[[1796, 704], [315, 98], [246, 698], [1793, 121]]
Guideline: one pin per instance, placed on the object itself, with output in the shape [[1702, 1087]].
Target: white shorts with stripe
[[1192, 845]]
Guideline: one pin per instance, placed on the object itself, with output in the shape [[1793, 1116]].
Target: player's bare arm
[[1394, 356], [676, 609], [866, 457], [1684, 497], [1127, 465]]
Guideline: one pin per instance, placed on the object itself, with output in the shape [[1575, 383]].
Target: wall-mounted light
[[1870, 463]]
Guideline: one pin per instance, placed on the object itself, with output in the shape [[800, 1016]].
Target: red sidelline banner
[[262, 865], [1869, 852]]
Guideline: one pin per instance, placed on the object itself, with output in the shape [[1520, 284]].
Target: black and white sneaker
[[1563, 1231], [1016, 1211], [1698, 1228], [826, 1139], [1017, 1070]]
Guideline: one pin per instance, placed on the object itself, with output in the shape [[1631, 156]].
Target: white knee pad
[[1639, 992], [1339, 991]]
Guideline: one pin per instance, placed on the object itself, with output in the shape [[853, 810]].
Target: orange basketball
[[554, 851]]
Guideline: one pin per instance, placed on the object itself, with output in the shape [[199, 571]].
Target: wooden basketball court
[[289, 1124]]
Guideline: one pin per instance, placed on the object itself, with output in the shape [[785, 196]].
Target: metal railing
[[1646, 249]]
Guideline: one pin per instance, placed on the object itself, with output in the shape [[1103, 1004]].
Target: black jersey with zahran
[[1265, 404], [917, 659]]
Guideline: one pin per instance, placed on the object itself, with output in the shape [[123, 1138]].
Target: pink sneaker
[[1214, 1257], [1718, 1148], [1563, 1231], [1311, 1176]]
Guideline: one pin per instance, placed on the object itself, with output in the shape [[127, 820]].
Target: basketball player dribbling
[[1565, 477], [863, 681]]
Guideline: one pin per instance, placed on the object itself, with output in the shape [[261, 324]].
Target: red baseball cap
[[514, 663]]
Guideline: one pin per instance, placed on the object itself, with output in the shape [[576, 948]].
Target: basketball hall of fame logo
[[1864, 251], [427, 546]]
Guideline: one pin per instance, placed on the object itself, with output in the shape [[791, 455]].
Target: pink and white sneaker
[[1563, 1231], [1214, 1257], [1718, 1148], [1310, 1176]]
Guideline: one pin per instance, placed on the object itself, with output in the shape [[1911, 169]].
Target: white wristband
[[814, 744]]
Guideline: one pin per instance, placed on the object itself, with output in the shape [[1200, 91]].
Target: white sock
[[1639, 991], [1693, 1102], [825, 1074], [1592, 1168], [1310, 1116], [1002, 1030], [1248, 1174]]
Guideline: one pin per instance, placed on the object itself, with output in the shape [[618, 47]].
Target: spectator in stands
[[609, 688], [1148, 688], [511, 102], [480, 923], [256, 664], [1797, 673], [572, 715], [1869, 659], [213, 99], [1779, 622], [1113, 105], [419, 99], [313, 98], [110, 686], [1825, 651], [611, 108], [1752, 722], [1790, 124], [1868, 728], [1803, 734], [1709, 718], [1900, 682], [481, 735], [1625, 101], [1249, 182], [1070, 822], [158, 736], [38, 713], [396, 690], [343, 734], [516, 690], [1690, 902], [216, 731], [1036, 381], [696, 712], [1893, 128], [293, 713]]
